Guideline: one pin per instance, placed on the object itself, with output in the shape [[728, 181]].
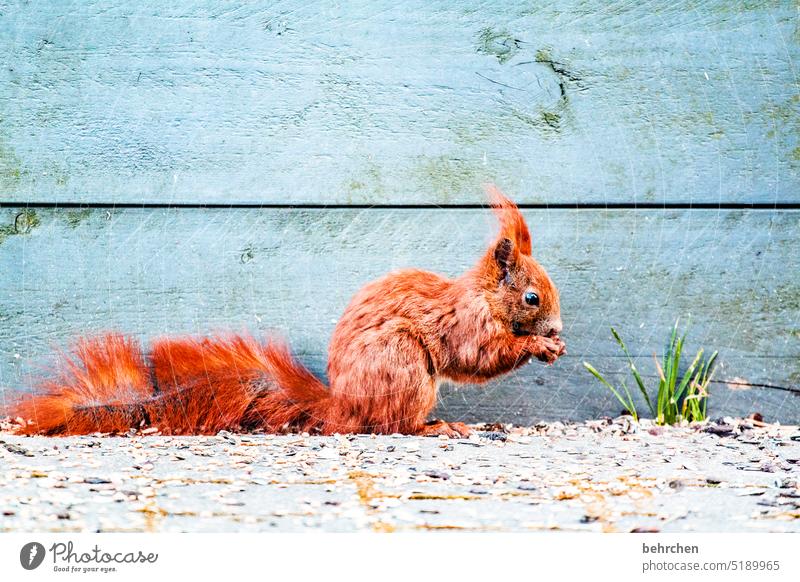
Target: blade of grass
[[708, 373], [708, 369], [634, 371], [632, 408], [697, 395], [666, 405], [661, 392], [675, 361], [628, 406], [692, 405], [687, 376], [693, 398]]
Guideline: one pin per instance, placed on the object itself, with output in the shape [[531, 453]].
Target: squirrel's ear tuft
[[504, 253], [512, 223]]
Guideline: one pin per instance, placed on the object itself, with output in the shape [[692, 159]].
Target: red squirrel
[[399, 337]]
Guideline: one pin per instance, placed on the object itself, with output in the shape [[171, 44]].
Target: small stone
[[719, 429], [18, 450], [434, 474], [589, 518], [751, 493]]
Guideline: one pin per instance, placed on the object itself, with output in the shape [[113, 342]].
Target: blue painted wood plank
[[167, 271], [392, 103]]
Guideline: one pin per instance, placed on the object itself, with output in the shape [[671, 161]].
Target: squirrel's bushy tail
[[184, 386]]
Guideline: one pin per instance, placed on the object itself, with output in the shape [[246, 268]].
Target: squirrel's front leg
[[519, 349], [546, 349], [503, 354]]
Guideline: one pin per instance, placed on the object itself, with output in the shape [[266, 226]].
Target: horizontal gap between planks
[[577, 206]]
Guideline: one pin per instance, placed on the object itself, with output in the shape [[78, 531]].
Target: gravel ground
[[605, 475]]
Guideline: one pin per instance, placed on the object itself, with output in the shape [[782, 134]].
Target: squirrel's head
[[520, 293]]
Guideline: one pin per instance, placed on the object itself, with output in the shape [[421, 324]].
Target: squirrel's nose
[[555, 327]]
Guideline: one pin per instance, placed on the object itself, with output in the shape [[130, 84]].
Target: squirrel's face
[[520, 293], [525, 298]]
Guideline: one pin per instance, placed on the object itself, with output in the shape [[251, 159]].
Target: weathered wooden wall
[[149, 154]]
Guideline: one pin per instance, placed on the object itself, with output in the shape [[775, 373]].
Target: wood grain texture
[[380, 102], [168, 271]]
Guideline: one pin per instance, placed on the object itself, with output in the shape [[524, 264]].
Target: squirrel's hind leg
[[390, 391], [437, 427]]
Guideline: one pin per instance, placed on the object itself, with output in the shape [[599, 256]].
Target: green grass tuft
[[679, 396]]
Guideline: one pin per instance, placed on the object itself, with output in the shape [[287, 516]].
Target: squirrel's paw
[[439, 427], [549, 349]]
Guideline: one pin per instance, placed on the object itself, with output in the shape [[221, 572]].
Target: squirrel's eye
[[531, 298]]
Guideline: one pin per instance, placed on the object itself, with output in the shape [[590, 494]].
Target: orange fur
[[512, 223], [102, 386], [399, 337]]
